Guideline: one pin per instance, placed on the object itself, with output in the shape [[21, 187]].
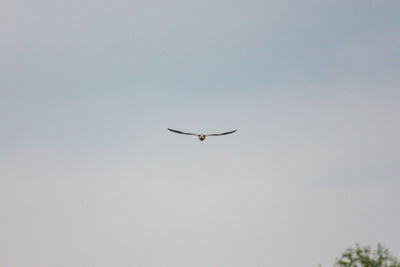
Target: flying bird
[[201, 136]]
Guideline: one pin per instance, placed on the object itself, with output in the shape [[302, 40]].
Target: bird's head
[[202, 137]]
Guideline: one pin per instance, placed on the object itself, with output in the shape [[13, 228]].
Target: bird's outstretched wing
[[179, 132], [221, 133]]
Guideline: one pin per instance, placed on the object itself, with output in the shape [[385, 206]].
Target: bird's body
[[202, 137]]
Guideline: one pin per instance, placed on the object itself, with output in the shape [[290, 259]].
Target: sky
[[90, 176]]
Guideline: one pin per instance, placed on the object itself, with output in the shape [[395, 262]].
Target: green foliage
[[365, 257]]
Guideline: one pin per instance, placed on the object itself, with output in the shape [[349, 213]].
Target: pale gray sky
[[89, 175]]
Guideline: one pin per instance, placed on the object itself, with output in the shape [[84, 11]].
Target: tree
[[365, 257]]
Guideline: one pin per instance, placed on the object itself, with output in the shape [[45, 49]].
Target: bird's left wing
[[179, 132], [221, 133]]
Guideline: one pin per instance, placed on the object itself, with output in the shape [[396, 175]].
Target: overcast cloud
[[89, 175]]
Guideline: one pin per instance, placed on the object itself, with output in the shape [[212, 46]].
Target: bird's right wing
[[179, 132], [221, 133]]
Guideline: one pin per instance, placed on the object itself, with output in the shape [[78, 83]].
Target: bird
[[201, 136]]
